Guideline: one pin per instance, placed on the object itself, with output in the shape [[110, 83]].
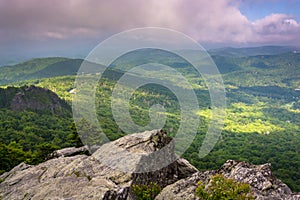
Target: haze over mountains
[[225, 51]]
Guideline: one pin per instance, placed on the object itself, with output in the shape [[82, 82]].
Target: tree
[[42, 152], [73, 138]]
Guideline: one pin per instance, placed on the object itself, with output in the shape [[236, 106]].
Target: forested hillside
[[33, 123], [42, 68], [262, 122]]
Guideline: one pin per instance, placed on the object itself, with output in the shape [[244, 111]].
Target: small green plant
[[221, 188], [77, 173], [146, 192]]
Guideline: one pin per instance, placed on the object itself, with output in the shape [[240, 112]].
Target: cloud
[[217, 21], [70, 17], [276, 27]]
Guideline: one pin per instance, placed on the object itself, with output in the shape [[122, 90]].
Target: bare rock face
[[88, 177], [36, 98], [263, 184], [77, 177]]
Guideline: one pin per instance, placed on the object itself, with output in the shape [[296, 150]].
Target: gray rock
[[67, 152], [86, 177], [138, 153], [77, 177], [263, 184], [184, 188]]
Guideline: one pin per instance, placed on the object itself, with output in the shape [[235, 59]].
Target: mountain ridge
[[59, 66], [253, 51]]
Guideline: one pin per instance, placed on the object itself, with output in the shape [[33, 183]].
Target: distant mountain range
[[42, 68], [253, 51], [277, 61], [225, 51]]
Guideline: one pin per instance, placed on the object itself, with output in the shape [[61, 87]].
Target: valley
[[262, 116]]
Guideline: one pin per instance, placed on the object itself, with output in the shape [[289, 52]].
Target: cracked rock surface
[[69, 176]]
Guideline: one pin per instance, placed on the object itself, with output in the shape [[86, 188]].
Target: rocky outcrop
[[148, 156], [36, 98], [263, 184], [111, 171], [89, 177]]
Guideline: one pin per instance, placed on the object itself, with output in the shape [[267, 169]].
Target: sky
[[39, 28]]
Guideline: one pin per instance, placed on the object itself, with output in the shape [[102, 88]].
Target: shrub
[[146, 192], [221, 188]]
